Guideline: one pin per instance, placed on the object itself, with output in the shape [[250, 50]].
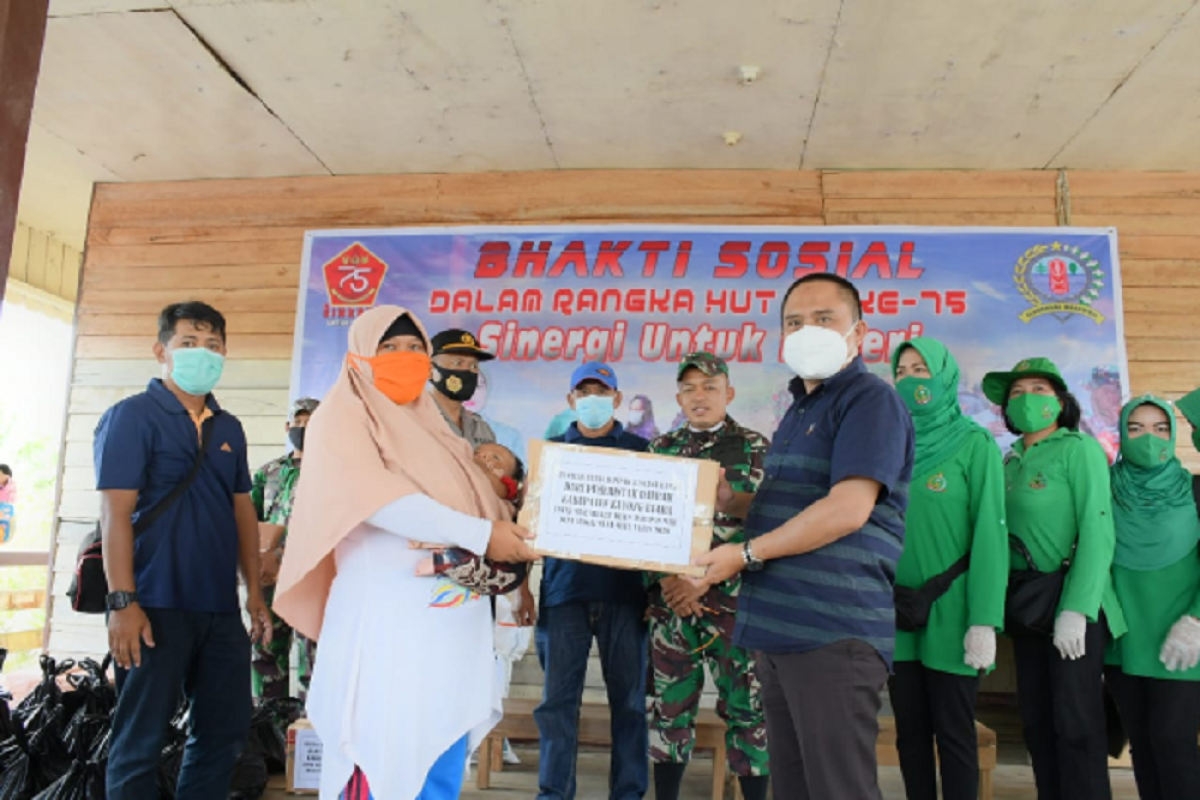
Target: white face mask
[[636, 416], [815, 353]]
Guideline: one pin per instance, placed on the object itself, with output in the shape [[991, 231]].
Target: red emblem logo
[[352, 278]]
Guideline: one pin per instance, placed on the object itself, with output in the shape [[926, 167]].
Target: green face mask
[[920, 395], [1147, 451], [1030, 413]]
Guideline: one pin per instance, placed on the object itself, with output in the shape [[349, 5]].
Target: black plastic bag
[[24, 770], [250, 777], [268, 735], [85, 779]]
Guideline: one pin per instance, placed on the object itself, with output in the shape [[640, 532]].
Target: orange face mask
[[400, 376]]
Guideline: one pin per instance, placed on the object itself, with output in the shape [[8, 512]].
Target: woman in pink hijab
[[405, 682]]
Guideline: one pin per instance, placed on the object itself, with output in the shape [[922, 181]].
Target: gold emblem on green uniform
[[922, 395], [936, 483], [1038, 482], [454, 383]]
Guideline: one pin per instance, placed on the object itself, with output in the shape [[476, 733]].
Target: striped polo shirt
[[852, 425]]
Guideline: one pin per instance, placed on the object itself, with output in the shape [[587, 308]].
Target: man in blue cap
[[584, 601]]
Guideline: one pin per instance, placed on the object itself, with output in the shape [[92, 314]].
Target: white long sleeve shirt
[[406, 662]]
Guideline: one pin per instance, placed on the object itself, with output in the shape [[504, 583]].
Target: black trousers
[[1162, 718], [822, 712], [1062, 713], [935, 707]]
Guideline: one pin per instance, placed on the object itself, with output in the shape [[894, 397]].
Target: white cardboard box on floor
[[303, 758]]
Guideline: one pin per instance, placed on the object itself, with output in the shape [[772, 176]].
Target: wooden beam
[[22, 600], [24, 558], [20, 641], [22, 29]]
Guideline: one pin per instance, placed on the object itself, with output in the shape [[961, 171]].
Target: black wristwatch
[[115, 601], [753, 564]]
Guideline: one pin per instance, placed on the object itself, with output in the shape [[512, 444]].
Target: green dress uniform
[[1156, 574], [273, 492], [1059, 502], [1058, 494], [955, 511], [956, 507], [679, 647]]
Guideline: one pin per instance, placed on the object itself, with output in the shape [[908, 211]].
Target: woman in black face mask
[[456, 357]]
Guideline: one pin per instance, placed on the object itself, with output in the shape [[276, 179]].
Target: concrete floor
[[1012, 780]]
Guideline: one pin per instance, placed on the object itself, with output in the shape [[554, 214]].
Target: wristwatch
[[115, 601], [753, 564]]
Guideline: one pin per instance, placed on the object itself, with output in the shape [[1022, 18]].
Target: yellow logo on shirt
[[936, 483]]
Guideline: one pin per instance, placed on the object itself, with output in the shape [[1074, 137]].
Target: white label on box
[[640, 509], [308, 760]]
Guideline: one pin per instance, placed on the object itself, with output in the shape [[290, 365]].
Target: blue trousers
[[205, 657], [564, 639]]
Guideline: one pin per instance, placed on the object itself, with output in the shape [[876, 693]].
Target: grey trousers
[[822, 710]]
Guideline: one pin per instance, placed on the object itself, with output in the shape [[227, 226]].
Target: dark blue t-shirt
[[852, 425], [188, 559], [572, 581]]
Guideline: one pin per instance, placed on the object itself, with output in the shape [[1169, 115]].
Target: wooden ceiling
[[137, 90]]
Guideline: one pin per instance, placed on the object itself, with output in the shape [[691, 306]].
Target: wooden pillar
[[22, 29]]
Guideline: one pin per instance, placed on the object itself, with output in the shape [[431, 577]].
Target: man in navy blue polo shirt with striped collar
[[174, 623], [824, 533]]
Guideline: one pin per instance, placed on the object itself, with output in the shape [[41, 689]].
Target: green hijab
[[1153, 510], [938, 420]]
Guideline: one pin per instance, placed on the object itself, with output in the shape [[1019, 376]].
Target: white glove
[[980, 645], [1069, 631], [1181, 650]]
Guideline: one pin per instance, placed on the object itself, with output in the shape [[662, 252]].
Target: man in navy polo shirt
[[584, 601], [174, 625], [824, 533]]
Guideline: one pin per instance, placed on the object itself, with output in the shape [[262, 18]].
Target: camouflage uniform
[[680, 647], [273, 492]]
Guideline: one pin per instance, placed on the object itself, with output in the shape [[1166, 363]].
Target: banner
[[545, 299]]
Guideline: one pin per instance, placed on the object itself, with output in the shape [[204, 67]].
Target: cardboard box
[[615, 507], [303, 759]]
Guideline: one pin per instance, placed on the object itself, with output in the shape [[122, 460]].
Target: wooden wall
[[237, 245]]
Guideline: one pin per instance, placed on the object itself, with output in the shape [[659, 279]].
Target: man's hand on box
[[723, 563]]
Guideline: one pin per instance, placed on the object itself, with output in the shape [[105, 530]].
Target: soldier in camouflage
[[689, 626], [273, 492]]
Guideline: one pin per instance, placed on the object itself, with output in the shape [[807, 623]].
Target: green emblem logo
[[936, 483], [1038, 482], [922, 395]]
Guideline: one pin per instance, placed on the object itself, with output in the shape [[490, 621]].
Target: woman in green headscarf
[[1153, 672], [955, 564]]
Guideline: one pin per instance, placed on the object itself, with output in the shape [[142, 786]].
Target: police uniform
[[680, 647]]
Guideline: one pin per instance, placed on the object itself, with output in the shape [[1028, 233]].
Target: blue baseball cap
[[595, 371]]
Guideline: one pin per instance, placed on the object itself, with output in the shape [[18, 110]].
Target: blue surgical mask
[[594, 411], [196, 370]]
